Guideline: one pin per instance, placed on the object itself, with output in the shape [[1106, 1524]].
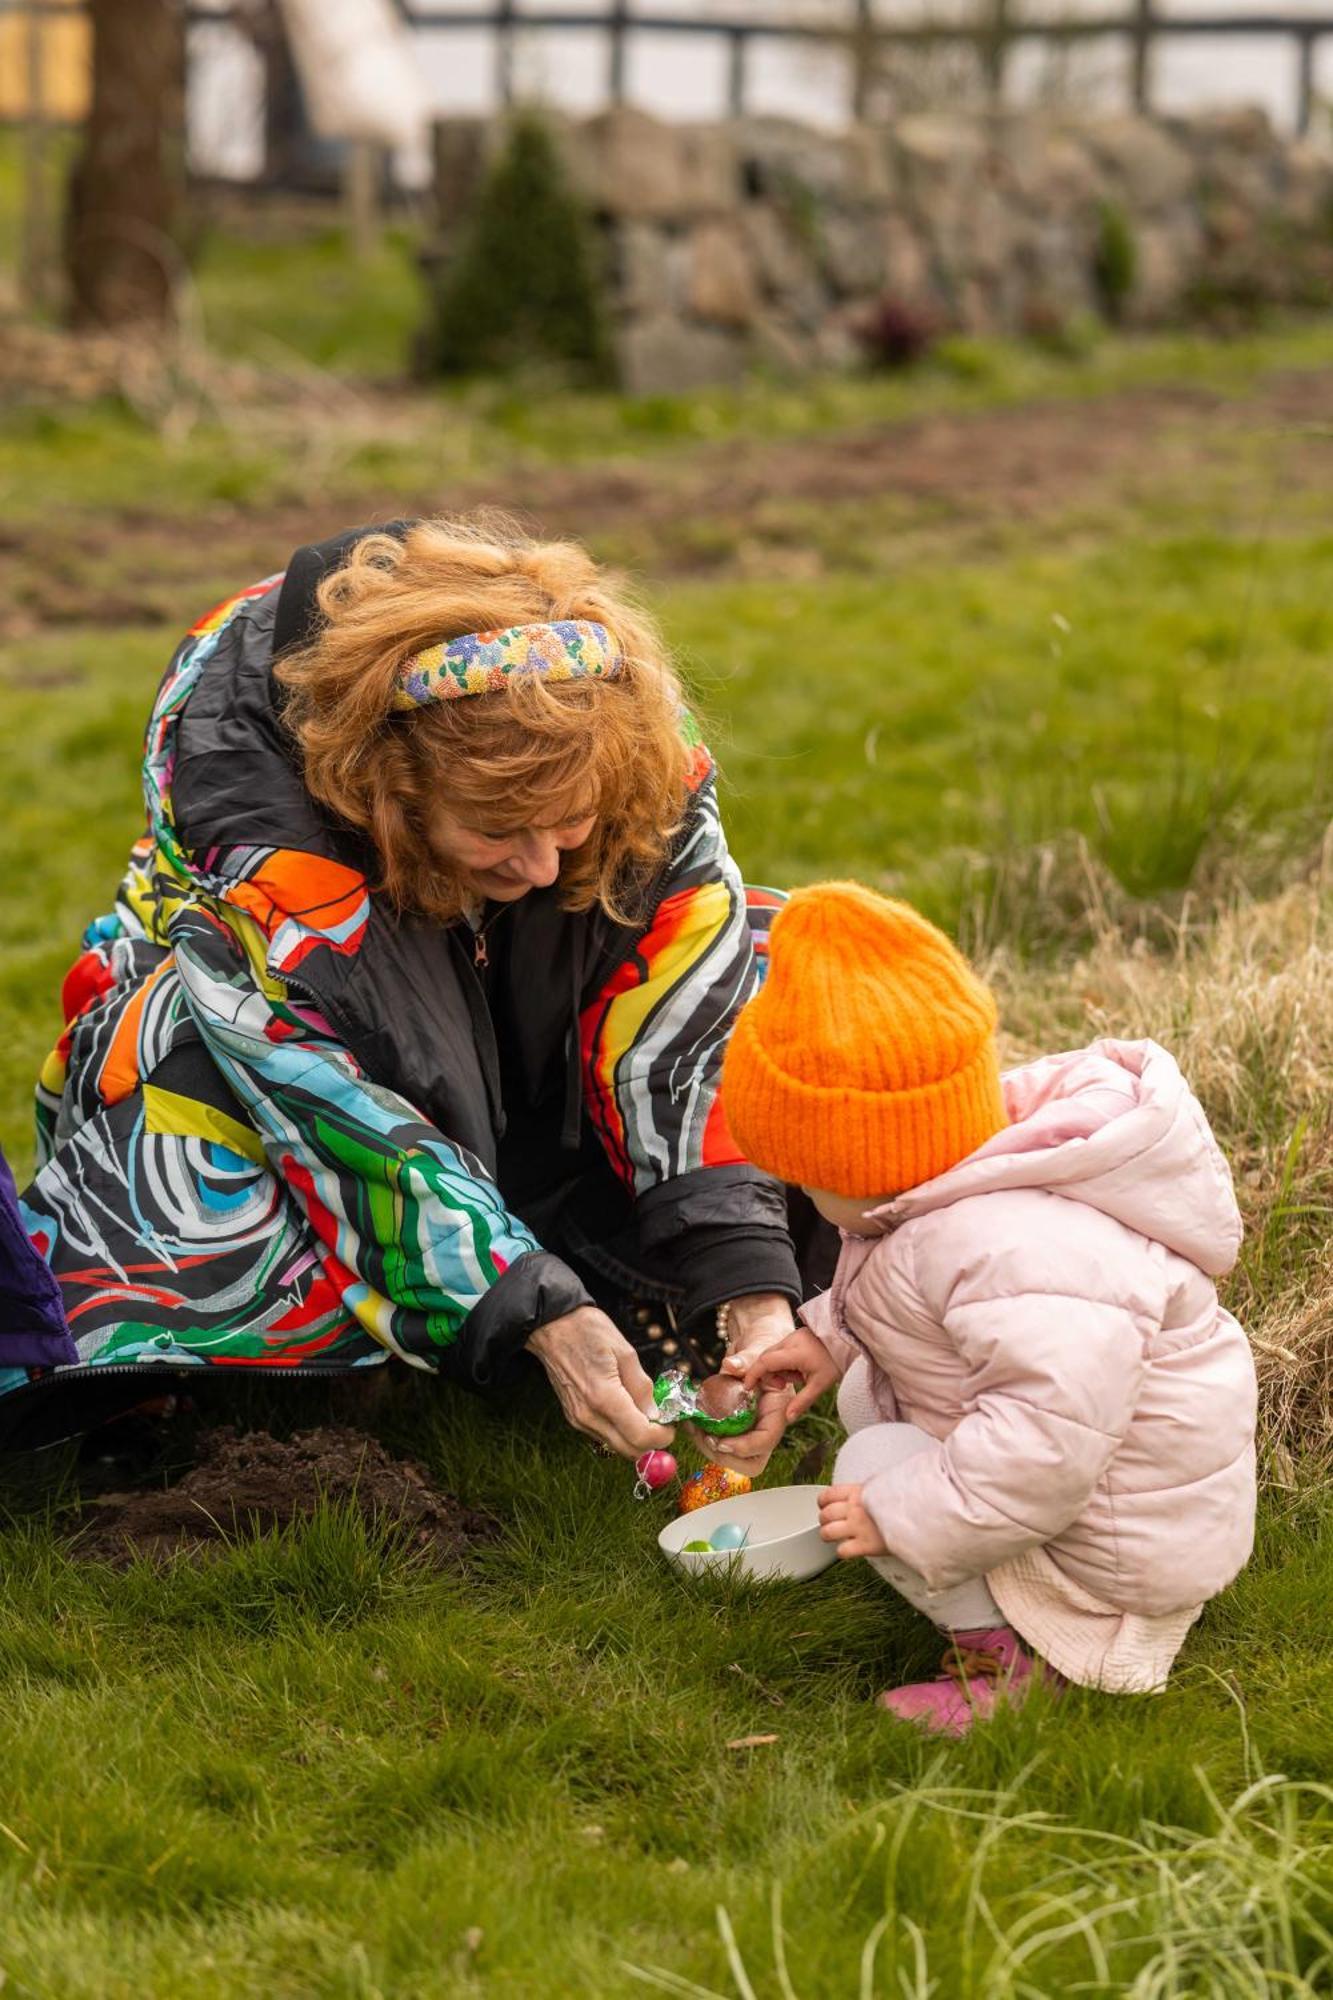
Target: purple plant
[[895, 334]]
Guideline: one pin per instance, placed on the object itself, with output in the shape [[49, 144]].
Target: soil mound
[[245, 1484]]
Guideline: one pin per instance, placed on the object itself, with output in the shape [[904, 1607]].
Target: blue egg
[[728, 1536]]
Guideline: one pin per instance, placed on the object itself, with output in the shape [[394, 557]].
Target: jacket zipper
[[483, 1028], [180, 1371]]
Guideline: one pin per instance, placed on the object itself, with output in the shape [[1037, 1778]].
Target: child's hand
[[802, 1357], [843, 1519]]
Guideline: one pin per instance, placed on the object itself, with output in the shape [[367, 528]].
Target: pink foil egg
[[656, 1469]]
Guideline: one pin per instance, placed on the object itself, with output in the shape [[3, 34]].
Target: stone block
[[988, 236], [1305, 190], [1169, 258], [644, 262], [1056, 258], [721, 285], [852, 251], [665, 355], [941, 165], [626, 163], [1148, 170], [780, 159], [1230, 225], [780, 347], [907, 269], [808, 304], [782, 255], [870, 176], [838, 343], [1231, 128], [1047, 172]]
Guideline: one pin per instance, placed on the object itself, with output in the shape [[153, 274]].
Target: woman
[[404, 1036]]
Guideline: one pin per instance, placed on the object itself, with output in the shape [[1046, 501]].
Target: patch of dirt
[[740, 506], [252, 1483]]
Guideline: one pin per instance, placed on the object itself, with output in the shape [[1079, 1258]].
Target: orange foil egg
[[713, 1483]]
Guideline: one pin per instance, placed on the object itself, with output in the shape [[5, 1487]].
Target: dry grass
[[1244, 1000]]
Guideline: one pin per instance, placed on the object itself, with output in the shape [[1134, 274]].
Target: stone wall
[[763, 242]]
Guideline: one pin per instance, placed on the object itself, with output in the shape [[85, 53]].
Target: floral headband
[[481, 662]]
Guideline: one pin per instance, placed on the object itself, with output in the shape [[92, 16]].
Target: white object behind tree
[[359, 71]]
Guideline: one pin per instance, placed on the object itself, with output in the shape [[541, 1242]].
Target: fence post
[[504, 51], [863, 57], [1305, 46], [736, 73], [361, 196], [1141, 35], [616, 21], [994, 40]]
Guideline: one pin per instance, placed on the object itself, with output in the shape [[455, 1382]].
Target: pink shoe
[[981, 1669]]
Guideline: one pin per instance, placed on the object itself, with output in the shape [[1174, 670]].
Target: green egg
[[698, 1548], [677, 1400], [726, 1427]]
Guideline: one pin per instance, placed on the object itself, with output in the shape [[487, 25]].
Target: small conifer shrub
[[524, 287]]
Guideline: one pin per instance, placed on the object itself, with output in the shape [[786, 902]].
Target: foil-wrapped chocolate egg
[[715, 1482], [722, 1406], [735, 1408], [656, 1469]]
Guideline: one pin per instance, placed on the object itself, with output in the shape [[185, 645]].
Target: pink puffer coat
[[1047, 1311]]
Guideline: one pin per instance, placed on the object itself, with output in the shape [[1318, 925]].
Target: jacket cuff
[[716, 1265], [536, 1288], [724, 1230]]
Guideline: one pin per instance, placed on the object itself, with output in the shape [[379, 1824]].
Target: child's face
[[849, 1212]]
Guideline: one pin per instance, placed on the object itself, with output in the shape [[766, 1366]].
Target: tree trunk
[[127, 187]]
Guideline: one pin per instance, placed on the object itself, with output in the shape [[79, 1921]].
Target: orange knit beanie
[[866, 1063]]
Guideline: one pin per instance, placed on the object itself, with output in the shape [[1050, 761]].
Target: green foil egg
[[678, 1399]]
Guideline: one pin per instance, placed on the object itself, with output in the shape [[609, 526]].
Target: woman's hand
[[755, 1324], [603, 1391]]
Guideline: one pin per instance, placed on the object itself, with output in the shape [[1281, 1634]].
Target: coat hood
[[1114, 1126]]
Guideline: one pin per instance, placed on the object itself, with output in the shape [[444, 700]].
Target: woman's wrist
[[756, 1319]]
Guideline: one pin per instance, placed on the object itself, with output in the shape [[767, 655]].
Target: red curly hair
[[534, 754]]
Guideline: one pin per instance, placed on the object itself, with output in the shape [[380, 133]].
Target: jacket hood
[[1117, 1127]]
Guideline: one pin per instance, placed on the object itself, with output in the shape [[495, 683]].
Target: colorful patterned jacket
[[404, 1109]]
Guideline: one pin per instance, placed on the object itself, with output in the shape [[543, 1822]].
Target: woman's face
[[501, 867]]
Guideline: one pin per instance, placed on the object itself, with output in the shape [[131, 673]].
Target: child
[[1051, 1418]]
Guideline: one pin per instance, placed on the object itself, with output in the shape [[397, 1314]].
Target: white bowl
[[783, 1540]]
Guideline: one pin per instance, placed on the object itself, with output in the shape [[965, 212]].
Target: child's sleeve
[[1049, 1326]]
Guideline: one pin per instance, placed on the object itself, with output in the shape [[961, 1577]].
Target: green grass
[[308, 301], [1158, 695], [1165, 695], [308, 1768]]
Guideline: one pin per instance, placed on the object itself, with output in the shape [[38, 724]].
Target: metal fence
[[991, 36]]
